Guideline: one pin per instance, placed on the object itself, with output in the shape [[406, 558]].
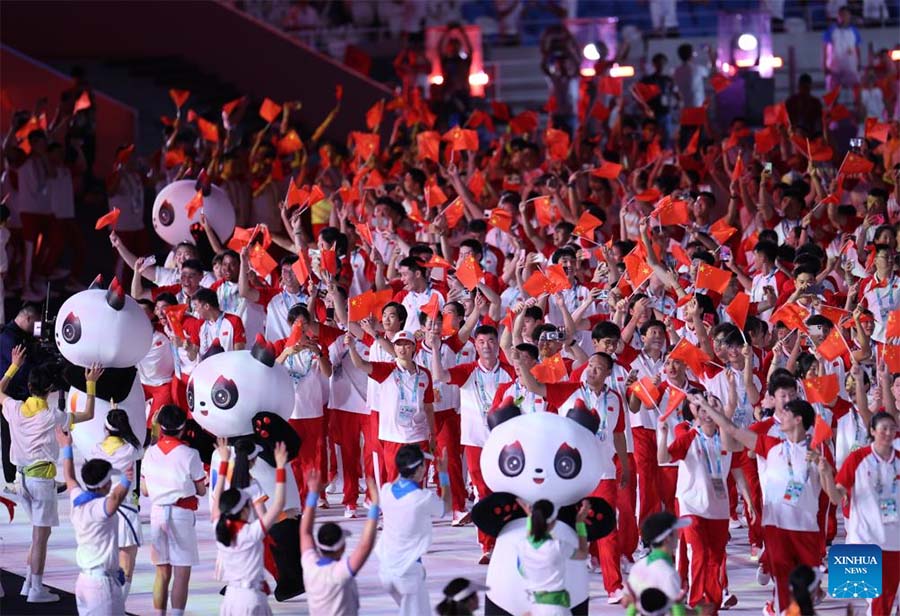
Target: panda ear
[[504, 411], [96, 282], [214, 349], [581, 414], [115, 296], [263, 352], [204, 183]]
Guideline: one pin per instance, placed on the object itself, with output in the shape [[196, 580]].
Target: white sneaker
[[41, 595], [625, 565], [735, 523], [762, 578], [640, 553], [594, 565], [616, 596], [335, 487], [461, 518], [349, 512], [26, 585], [728, 600]]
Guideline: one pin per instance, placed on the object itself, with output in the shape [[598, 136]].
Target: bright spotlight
[[895, 55], [478, 79], [590, 52], [747, 42], [621, 71], [588, 72], [436, 80]]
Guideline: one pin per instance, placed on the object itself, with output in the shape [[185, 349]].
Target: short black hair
[[207, 296], [473, 245], [685, 52], [530, 349], [41, 380], [94, 471], [413, 264], [193, 264], [486, 330], [768, 249], [781, 381], [408, 459], [804, 410], [402, 315], [171, 419], [606, 329]]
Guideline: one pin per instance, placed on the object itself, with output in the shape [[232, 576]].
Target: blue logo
[[854, 571]]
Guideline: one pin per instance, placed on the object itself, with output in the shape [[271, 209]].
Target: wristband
[[11, 371], [374, 510], [223, 468], [67, 453], [444, 478], [312, 499], [281, 475], [581, 529], [125, 483], [90, 388]]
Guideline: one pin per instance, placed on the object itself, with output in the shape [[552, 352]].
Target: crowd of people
[[726, 304]]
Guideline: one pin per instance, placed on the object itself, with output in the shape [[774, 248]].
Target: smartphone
[[856, 142], [38, 326], [768, 167], [329, 314], [725, 253]]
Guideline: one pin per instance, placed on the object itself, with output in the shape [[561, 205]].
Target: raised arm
[[439, 374], [18, 358], [358, 361], [367, 541], [90, 381], [245, 289], [743, 436], [307, 542], [273, 511], [219, 487]]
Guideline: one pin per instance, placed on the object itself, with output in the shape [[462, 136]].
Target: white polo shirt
[[242, 561], [96, 533], [882, 301], [170, 473], [718, 386], [790, 485], [309, 385], [348, 383], [375, 353], [402, 418], [158, 364], [477, 388], [167, 276], [703, 469], [277, 327], [33, 439], [120, 454], [413, 302], [446, 397], [227, 329], [646, 366], [330, 585], [874, 488], [611, 409], [851, 434], [406, 536]]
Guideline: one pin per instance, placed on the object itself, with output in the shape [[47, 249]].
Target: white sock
[[126, 589], [37, 581], [26, 585], [174, 612]]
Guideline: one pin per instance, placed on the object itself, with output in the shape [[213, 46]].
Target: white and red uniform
[[122, 456], [252, 314], [227, 329], [242, 569], [97, 591], [643, 433], [375, 353], [277, 308], [702, 493], [156, 372], [873, 485], [413, 302], [308, 414], [881, 298]]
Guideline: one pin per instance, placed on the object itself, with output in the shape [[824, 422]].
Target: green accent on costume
[[535, 543], [631, 610], [552, 597], [581, 529], [679, 610], [658, 554]]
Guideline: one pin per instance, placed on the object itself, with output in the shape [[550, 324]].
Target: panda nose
[[202, 403], [538, 470]]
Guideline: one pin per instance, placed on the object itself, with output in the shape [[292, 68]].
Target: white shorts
[[173, 538], [540, 609], [244, 602], [130, 533], [98, 596], [408, 590], [40, 500]]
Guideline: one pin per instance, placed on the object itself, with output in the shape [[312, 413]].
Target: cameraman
[[19, 331]]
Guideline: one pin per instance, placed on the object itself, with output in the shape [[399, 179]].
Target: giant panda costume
[[112, 329], [170, 217], [538, 456], [247, 394]]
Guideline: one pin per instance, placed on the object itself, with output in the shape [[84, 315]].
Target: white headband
[[101, 483], [242, 502], [337, 545], [109, 427], [465, 593]]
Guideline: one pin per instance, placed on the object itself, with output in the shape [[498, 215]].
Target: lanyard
[[176, 358], [207, 341], [717, 448], [484, 400], [879, 484], [787, 445], [857, 429], [520, 398], [230, 297], [398, 380], [299, 369], [603, 411], [889, 293], [291, 299]]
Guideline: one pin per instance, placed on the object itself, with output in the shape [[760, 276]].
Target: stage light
[[621, 71], [747, 42], [436, 80], [895, 55], [590, 52], [477, 79], [776, 62], [588, 71], [745, 62]]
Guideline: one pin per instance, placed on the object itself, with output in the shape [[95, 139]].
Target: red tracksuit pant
[[785, 549], [890, 578], [344, 429], [372, 450], [607, 549], [312, 450], [159, 395], [625, 502], [647, 471], [473, 461], [448, 433], [390, 449], [706, 540]]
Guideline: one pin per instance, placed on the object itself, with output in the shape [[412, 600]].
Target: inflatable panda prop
[[247, 394], [170, 219], [112, 329], [531, 457]]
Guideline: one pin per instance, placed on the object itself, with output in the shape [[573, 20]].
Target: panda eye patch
[[71, 329], [224, 393], [567, 462], [190, 396], [512, 460], [166, 214]]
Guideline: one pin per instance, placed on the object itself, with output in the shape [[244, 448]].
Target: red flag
[[586, 224], [179, 97], [712, 278], [854, 164], [792, 315], [599, 112], [525, 122], [365, 233], [693, 116], [109, 219], [366, 144], [739, 308], [607, 170], [537, 284], [434, 196], [838, 113], [545, 211], [832, 96], [611, 85], [833, 346], [436, 261], [676, 397], [637, 269], [454, 212], [328, 258], [681, 256], [646, 392], [175, 316], [821, 431], [650, 195], [893, 324], [691, 355], [124, 155], [301, 268], [296, 334], [429, 145], [269, 110], [469, 273], [765, 139], [821, 389], [776, 114], [559, 280], [194, 205], [480, 117], [462, 139], [557, 142], [738, 170], [551, 370], [500, 218], [433, 307], [229, 107], [693, 143], [360, 306], [380, 300], [374, 115], [261, 261], [208, 130], [646, 91], [891, 357], [290, 143], [673, 212], [500, 111], [877, 130], [83, 102], [719, 82], [721, 231], [476, 184]]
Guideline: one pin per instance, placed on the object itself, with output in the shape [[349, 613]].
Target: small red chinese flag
[[365, 233], [721, 231], [429, 145], [124, 155], [476, 184], [537, 284], [673, 213], [557, 142], [646, 91], [719, 82], [436, 261], [693, 116], [681, 256], [646, 392], [500, 218], [739, 308], [194, 205], [607, 170], [175, 316], [676, 397], [109, 219], [374, 115], [462, 139], [691, 355], [649, 196], [360, 306], [792, 315], [434, 196], [893, 324], [832, 96], [600, 112], [693, 143], [854, 163], [261, 261], [821, 430], [833, 346], [525, 122], [765, 139], [637, 269], [269, 110], [877, 130], [891, 357], [712, 278], [301, 268], [611, 85], [775, 114], [469, 273], [179, 97], [229, 107], [366, 144], [433, 307], [500, 111], [586, 224], [381, 299], [545, 211], [559, 280], [208, 130], [454, 212], [296, 334], [83, 102], [551, 370], [329, 261], [838, 113], [821, 389], [738, 170], [290, 143]]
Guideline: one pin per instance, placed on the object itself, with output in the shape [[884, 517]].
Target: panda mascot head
[[107, 327], [541, 455], [227, 390], [170, 218]]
